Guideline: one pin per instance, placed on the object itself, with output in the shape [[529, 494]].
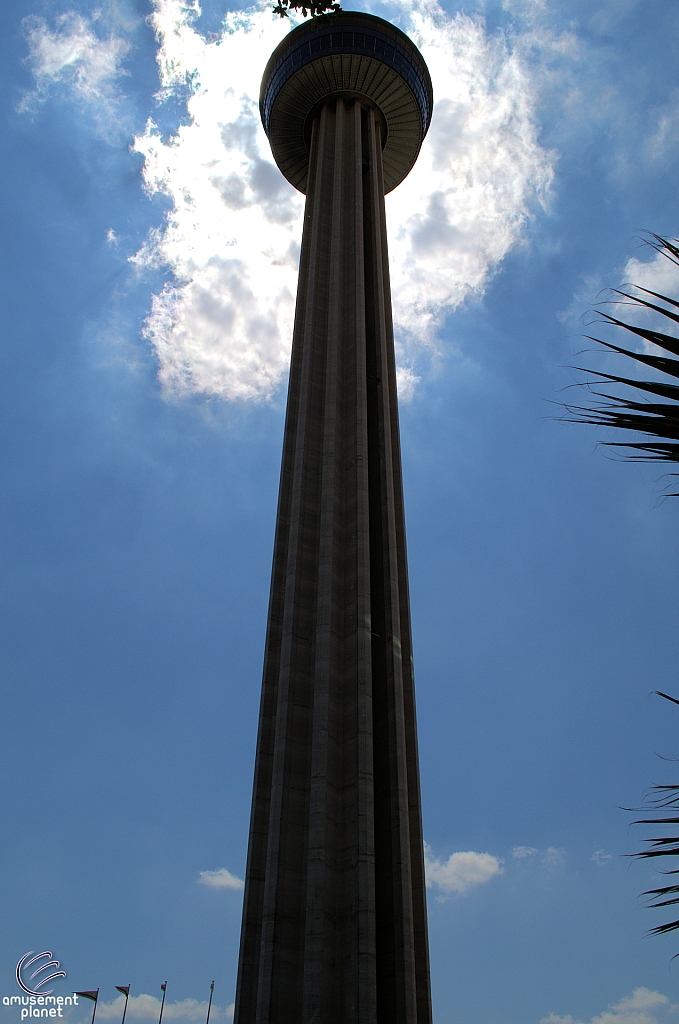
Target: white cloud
[[658, 275], [642, 999], [221, 879], [550, 858], [521, 852], [223, 326], [664, 138], [406, 381], [466, 202], [639, 1008], [461, 872], [72, 53], [601, 859], [145, 1007], [553, 857]]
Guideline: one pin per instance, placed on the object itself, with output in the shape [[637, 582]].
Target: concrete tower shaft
[[334, 922]]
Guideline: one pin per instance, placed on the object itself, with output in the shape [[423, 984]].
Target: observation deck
[[350, 56]]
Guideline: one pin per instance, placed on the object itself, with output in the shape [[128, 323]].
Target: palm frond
[[657, 800], [654, 419]]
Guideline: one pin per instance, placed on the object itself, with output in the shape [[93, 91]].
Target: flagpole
[[93, 995], [209, 1005], [125, 989], [160, 1019]]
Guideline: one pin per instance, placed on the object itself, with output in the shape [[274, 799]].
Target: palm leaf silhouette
[[659, 801], [639, 409], [649, 408]]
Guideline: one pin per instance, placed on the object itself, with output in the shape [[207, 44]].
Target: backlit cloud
[[223, 325], [461, 872], [467, 200], [229, 242]]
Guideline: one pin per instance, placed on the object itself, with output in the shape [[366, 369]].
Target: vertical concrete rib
[[334, 922]]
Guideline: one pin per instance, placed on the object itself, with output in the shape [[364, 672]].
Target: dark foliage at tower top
[[636, 407], [313, 7]]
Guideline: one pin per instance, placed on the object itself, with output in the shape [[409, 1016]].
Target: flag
[[209, 1005], [93, 995], [125, 990], [162, 1005]]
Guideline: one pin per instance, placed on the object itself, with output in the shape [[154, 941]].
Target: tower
[[334, 922]]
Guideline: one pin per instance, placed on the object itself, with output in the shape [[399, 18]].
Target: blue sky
[[147, 287]]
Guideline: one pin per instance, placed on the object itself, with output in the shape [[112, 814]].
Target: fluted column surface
[[334, 923]]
